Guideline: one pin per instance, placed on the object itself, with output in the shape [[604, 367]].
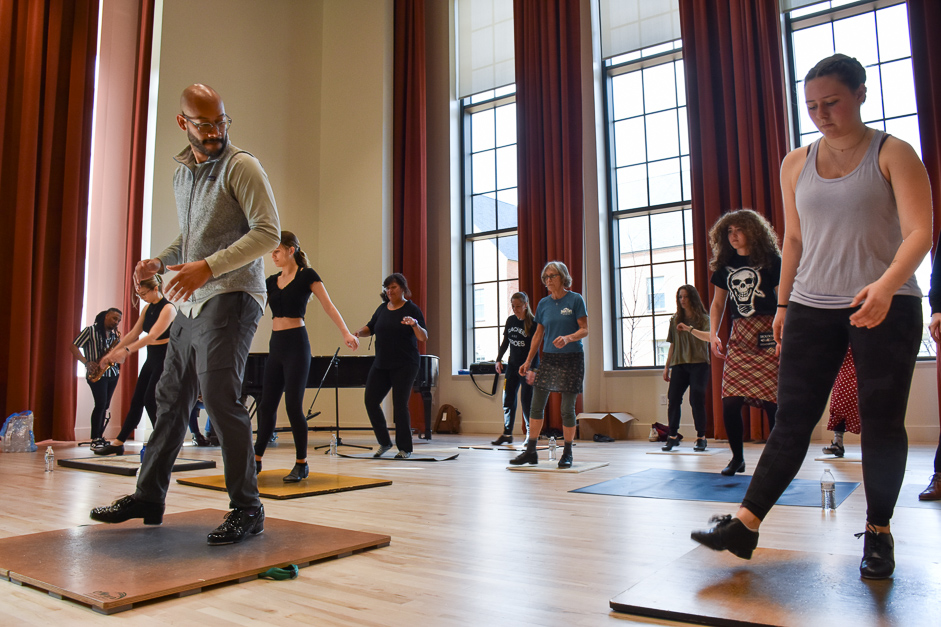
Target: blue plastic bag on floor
[[17, 433]]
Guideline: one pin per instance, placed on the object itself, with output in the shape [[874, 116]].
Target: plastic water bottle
[[827, 491], [333, 444], [552, 447], [50, 458]]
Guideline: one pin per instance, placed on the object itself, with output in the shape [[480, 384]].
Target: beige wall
[[325, 65]]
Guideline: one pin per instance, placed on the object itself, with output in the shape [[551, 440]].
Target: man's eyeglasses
[[208, 127]]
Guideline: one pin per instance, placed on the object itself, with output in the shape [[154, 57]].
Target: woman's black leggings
[[101, 390], [513, 383], [285, 373], [696, 378], [144, 397], [814, 346], [378, 383], [735, 428]]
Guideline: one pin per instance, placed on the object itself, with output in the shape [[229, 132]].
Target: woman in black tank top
[[155, 320]]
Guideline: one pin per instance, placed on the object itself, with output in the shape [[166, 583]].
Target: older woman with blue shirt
[[561, 324]]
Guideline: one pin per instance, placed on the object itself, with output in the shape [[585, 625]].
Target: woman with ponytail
[[289, 348], [517, 337]]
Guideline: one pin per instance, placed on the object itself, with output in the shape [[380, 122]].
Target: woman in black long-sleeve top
[[398, 325], [517, 338]]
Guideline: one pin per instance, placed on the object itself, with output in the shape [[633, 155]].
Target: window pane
[[486, 344], [506, 124], [507, 211], [892, 26], [673, 276], [683, 125], [666, 232], [486, 306], [627, 95], [907, 129], [637, 335], [659, 87], [811, 45], [872, 108], [508, 259], [634, 240], [687, 180], [661, 346], [663, 138], [629, 144], [483, 172], [856, 37], [680, 83], [635, 291], [485, 260], [483, 213], [898, 88], [482, 130], [506, 167], [507, 289], [665, 182], [632, 187]]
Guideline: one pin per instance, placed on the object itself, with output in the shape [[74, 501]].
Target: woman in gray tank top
[[857, 224]]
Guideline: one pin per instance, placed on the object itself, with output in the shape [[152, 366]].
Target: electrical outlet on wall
[[663, 399]]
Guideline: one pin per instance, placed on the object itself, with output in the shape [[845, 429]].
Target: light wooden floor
[[472, 544]]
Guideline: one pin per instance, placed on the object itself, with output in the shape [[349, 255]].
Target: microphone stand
[[335, 366]]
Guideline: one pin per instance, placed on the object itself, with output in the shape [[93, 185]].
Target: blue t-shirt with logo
[[560, 317]]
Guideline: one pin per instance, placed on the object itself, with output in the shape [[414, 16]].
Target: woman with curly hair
[[746, 268], [857, 206]]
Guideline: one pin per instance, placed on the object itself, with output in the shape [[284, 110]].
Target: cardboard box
[[614, 424]]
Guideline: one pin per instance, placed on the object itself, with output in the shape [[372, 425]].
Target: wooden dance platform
[[271, 484], [112, 567], [787, 588]]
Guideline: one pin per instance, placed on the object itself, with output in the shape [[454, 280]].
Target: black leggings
[[696, 378], [144, 397], [513, 383], [815, 342], [378, 383], [101, 390], [735, 429], [285, 373]]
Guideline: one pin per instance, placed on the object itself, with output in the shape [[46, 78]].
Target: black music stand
[[335, 366]]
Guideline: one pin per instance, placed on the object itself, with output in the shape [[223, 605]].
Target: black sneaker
[[700, 445], [735, 465], [503, 439], [109, 449], [671, 442], [878, 554], [526, 457], [729, 534], [238, 524]]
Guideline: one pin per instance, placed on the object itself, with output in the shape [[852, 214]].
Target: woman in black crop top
[[399, 326], [289, 348], [517, 338], [155, 321]]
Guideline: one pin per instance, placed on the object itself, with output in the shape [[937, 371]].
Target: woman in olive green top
[[689, 359]]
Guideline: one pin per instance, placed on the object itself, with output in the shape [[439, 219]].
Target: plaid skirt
[[750, 371], [844, 402], [561, 372]]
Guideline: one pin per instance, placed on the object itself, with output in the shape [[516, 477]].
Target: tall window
[[490, 218], [651, 221], [877, 35]]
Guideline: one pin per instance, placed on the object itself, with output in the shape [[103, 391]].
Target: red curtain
[[549, 139], [549, 144], [135, 199], [924, 18], [737, 129], [409, 145], [47, 76]]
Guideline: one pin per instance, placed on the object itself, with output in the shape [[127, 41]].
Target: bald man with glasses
[[228, 221]]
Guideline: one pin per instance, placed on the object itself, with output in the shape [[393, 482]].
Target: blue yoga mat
[[681, 485]]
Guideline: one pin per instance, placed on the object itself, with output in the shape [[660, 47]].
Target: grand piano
[[351, 372]]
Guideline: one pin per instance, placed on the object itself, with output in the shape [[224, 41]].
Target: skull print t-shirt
[[751, 290]]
